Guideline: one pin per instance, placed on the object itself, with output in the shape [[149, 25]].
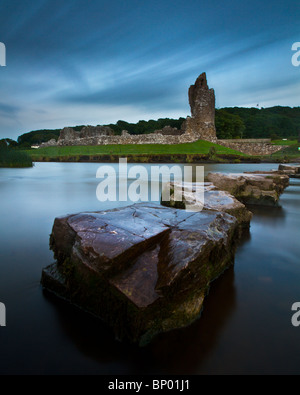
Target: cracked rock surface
[[143, 269]]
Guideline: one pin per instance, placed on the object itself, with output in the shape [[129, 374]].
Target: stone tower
[[202, 102]]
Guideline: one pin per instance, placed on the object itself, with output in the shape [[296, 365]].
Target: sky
[[85, 62]]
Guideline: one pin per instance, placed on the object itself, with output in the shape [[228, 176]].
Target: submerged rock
[[258, 189], [143, 269], [205, 196]]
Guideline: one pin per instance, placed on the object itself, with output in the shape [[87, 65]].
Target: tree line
[[273, 122], [231, 123]]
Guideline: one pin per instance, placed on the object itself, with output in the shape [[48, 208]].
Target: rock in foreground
[[143, 269], [258, 189]]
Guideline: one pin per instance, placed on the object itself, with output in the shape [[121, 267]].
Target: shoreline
[[165, 158]]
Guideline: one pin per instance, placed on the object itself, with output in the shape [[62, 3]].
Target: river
[[245, 327]]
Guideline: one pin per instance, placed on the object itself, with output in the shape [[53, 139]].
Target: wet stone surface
[[143, 269], [205, 196]]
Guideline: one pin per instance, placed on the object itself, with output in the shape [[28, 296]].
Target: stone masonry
[[202, 102], [252, 146]]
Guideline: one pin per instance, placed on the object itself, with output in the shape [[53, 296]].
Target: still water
[[245, 327]]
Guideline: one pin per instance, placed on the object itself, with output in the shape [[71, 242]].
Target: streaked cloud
[[96, 62]]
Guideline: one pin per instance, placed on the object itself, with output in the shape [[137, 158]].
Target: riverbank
[[169, 158], [150, 158], [197, 152], [14, 158]]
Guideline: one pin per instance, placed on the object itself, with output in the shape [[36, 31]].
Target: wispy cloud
[[97, 62]]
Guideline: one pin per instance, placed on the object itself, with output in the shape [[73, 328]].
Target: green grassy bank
[[199, 150], [288, 154]]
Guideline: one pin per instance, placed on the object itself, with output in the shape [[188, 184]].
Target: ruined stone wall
[[169, 131], [252, 147], [247, 146], [126, 138], [87, 132]]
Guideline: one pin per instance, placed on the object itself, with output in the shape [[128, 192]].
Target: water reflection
[[276, 215], [91, 336], [184, 351], [181, 351]]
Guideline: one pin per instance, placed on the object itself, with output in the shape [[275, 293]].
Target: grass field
[[290, 152], [189, 152], [198, 147], [284, 142]]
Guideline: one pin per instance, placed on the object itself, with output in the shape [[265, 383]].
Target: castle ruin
[[199, 126]]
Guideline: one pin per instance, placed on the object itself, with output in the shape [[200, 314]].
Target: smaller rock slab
[[205, 196], [291, 170], [256, 189]]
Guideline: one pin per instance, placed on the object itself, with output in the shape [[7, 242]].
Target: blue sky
[[95, 62]]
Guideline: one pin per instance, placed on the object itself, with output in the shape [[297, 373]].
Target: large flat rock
[[252, 188], [143, 269], [104, 241]]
